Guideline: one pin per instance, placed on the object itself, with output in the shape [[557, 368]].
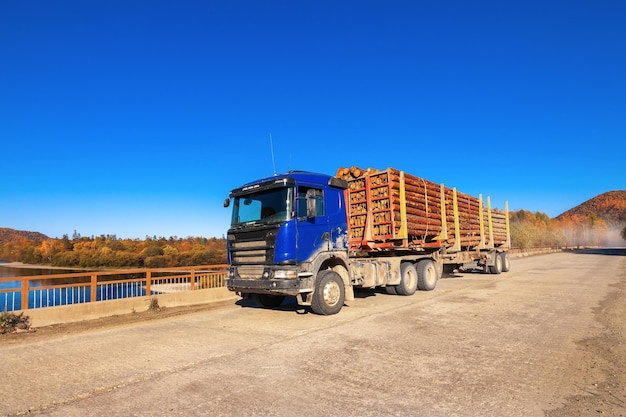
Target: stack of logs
[[376, 194]]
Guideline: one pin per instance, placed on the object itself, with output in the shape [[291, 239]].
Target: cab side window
[[315, 193]]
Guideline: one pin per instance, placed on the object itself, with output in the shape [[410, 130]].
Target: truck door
[[313, 234], [337, 221]]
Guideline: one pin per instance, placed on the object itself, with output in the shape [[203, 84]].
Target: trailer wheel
[[408, 279], [506, 262], [329, 294], [426, 275], [268, 300], [496, 268]]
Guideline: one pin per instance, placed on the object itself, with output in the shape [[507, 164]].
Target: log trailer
[[317, 237]]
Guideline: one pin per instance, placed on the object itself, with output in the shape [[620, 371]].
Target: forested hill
[[610, 207], [9, 235], [109, 251]]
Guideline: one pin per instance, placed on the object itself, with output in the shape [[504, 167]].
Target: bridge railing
[[40, 291]]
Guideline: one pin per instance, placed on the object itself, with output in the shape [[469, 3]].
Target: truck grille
[[249, 252], [252, 248]]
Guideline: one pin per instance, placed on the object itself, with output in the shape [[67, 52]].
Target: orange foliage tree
[[107, 251]]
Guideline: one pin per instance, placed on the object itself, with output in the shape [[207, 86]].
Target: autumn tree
[[531, 230]]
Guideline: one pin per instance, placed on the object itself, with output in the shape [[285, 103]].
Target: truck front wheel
[[427, 275], [329, 294]]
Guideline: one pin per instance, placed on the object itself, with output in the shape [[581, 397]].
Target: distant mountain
[[8, 235], [610, 207]]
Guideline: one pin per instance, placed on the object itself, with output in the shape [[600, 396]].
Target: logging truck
[[318, 237]]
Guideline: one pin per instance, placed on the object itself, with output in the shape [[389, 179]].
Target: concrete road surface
[[545, 339]]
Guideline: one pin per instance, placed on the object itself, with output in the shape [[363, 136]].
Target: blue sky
[[136, 118]]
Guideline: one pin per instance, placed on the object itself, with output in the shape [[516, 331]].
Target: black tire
[[268, 300], [496, 268], [427, 275], [506, 262], [408, 279], [391, 289], [329, 294]]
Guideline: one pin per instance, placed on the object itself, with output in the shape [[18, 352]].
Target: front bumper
[[265, 286], [268, 284]]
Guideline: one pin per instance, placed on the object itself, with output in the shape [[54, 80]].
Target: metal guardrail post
[[25, 294], [148, 282], [94, 288]]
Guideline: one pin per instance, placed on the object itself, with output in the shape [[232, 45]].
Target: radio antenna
[[272, 150]]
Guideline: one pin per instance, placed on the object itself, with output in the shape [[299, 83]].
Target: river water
[[10, 294], [9, 272]]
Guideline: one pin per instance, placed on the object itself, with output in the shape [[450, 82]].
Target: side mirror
[[311, 204], [227, 202]]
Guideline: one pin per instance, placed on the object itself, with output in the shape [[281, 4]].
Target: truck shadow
[[289, 304], [368, 292], [460, 274]]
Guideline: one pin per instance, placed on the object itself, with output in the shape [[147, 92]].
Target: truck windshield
[[269, 206]]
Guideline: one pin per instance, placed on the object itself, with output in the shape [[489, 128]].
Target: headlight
[[285, 274]]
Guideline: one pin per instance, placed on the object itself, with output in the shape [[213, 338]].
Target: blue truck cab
[[289, 237]]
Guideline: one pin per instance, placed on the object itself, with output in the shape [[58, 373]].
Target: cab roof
[[291, 178]]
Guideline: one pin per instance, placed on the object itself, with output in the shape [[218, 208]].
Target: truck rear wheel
[[426, 275], [408, 279], [329, 294], [268, 300], [506, 262], [496, 268]]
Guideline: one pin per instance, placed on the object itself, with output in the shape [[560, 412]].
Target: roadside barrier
[[40, 291]]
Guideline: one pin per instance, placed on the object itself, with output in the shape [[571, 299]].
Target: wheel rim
[[332, 293], [431, 275], [411, 278]]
